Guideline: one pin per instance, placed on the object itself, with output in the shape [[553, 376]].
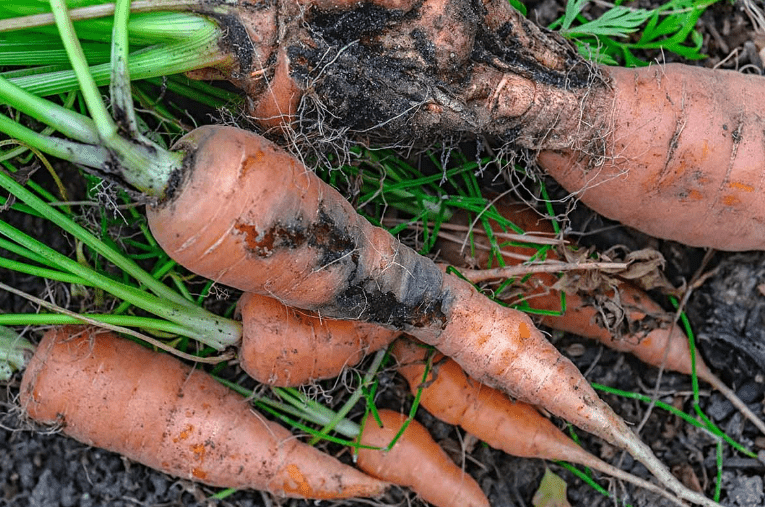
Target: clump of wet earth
[[727, 313]]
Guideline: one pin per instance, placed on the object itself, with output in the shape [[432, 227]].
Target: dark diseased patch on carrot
[[411, 76], [277, 237], [324, 235], [407, 295], [236, 41], [387, 309]]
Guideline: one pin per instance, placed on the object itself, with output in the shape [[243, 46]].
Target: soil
[[727, 313]]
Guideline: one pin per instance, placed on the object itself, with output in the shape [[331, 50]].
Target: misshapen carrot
[[112, 393], [511, 426], [649, 333], [284, 346], [273, 227], [432, 474]]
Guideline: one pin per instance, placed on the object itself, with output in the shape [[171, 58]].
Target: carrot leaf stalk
[[136, 154]]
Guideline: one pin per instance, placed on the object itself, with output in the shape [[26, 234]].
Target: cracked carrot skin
[[284, 346], [416, 461], [112, 393]]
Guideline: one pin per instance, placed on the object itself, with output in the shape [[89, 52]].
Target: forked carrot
[[109, 392]]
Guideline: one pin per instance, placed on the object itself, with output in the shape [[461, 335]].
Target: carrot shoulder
[[416, 461], [112, 393]]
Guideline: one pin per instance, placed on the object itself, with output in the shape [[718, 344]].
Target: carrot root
[[112, 393], [433, 475]]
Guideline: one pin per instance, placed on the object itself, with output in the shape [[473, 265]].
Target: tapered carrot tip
[[112, 393], [416, 461]]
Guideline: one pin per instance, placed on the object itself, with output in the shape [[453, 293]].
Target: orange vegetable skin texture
[[416, 461], [511, 426], [684, 158], [284, 346], [112, 393], [273, 227], [647, 342]]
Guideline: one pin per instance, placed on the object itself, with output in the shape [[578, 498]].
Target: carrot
[[514, 427], [679, 145], [682, 151], [112, 393], [283, 346], [433, 476], [649, 333], [296, 239]]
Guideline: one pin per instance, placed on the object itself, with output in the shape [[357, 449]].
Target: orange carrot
[[112, 393], [511, 426], [649, 335], [283, 346], [695, 174], [297, 239], [433, 475]]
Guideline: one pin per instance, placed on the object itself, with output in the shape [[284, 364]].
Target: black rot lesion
[[386, 309], [323, 234]]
